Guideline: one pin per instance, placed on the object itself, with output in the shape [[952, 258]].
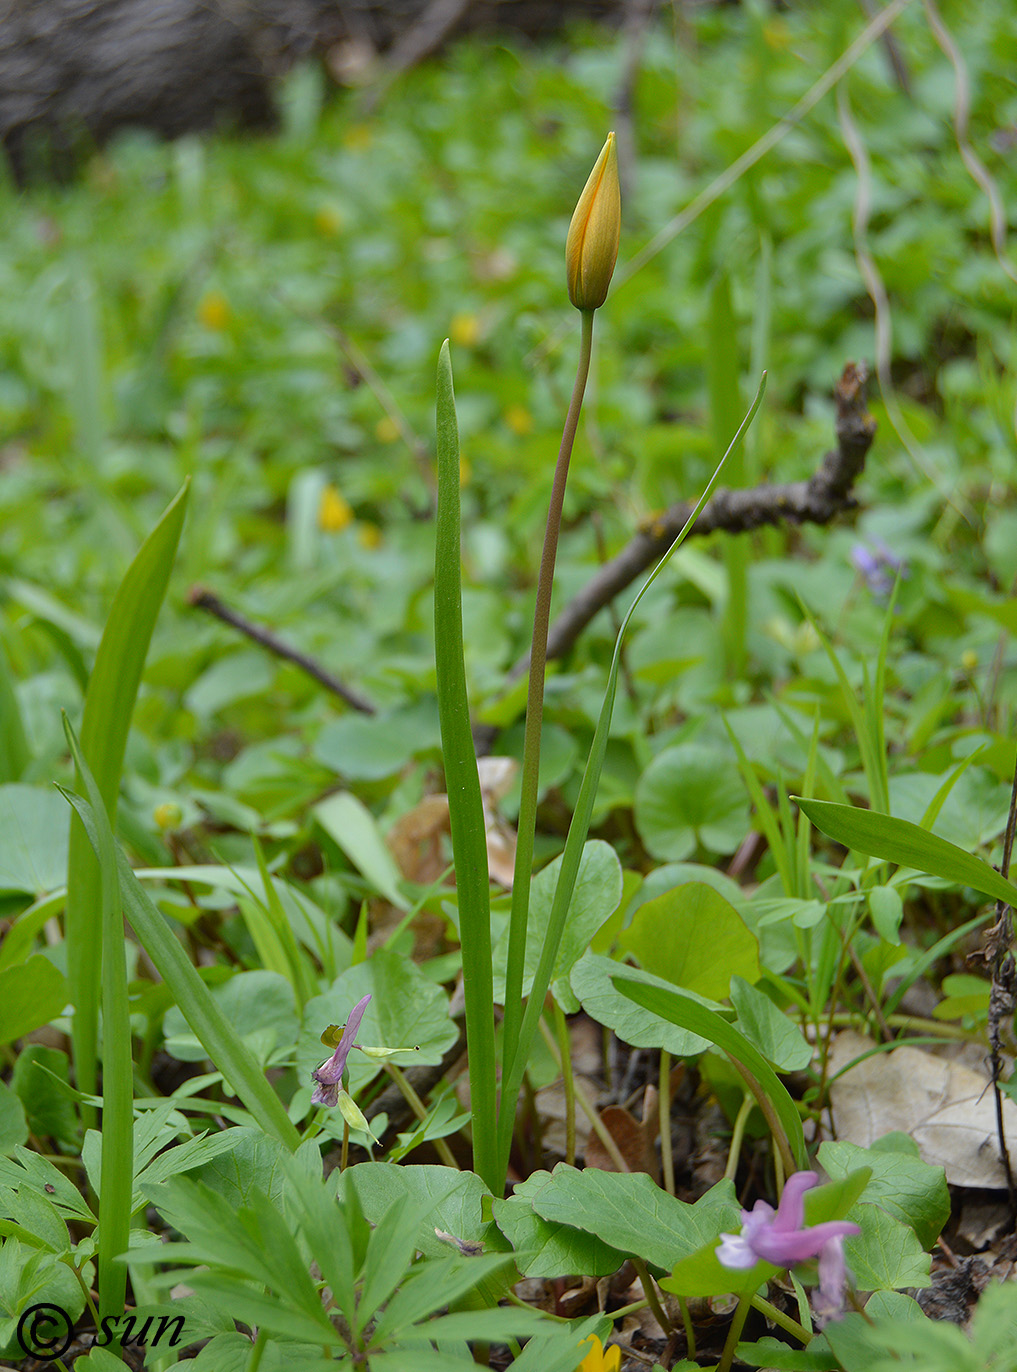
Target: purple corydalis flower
[[330, 1074], [879, 566], [781, 1237]]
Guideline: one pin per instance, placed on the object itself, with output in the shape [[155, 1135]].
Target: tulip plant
[[590, 255]]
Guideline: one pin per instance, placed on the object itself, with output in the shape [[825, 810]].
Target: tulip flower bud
[[591, 248]]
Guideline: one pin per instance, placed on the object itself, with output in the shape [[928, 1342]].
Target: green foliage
[[262, 318]]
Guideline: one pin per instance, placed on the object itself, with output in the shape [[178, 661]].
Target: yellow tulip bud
[[591, 248]]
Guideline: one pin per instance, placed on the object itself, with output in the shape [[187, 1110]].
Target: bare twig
[[825, 495], [998, 950], [203, 599], [419, 40]]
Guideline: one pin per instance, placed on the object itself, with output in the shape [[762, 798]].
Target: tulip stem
[[529, 782]]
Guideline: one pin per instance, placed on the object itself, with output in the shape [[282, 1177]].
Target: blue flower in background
[[879, 566]]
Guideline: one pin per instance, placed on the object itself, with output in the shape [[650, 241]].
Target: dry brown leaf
[[630, 1136], [946, 1107]]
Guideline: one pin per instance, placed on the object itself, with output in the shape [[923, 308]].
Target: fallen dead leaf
[[946, 1107]]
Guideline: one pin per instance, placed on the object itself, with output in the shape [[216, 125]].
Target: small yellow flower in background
[[168, 815], [328, 221], [358, 137], [214, 310], [519, 420], [334, 512], [464, 330], [591, 248], [969, 659], [386, 430], [369, 536], [599, 1361], [776, 35], [465, 471]]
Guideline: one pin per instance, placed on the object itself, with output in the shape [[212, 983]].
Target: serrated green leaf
[[631, 1213], [457, 1199], [887, 1255], [546, 1249], [913, 1191]]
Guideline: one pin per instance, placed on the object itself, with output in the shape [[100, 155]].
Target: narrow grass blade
[[117, 1172], [580, 827], [898, 840], [109, 704], [765, 815], [207, 1022], [462, 782]]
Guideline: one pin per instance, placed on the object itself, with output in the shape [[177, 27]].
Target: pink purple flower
[[782, 1238], [329, 1075]]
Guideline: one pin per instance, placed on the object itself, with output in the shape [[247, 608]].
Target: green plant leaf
[[13, 1123], [635, 1025], [666, 935], [887, 1255], [462, 783], [30, 996], [253, 1003], [771, 1353], [595, 897], [911, 1190], [50, 1112], [857, 1343], [15, 753], [109, 705], [896, 840], [35, 827], [406, 1011], [771, 1094], [210, 1026], [629, 1211], [775, 1035], [456, 1199], [347, 820], [689, 795], [546, 1249]]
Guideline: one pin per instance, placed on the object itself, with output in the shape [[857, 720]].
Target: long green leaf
[[725, 412], [898, 840], [580, 826], [109, 704], [117, 1172], [462, 782], [207, 1022], [14, 751], [771, 1094]]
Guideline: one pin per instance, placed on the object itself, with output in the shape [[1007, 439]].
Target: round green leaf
[[690, 795], [667, 935]]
